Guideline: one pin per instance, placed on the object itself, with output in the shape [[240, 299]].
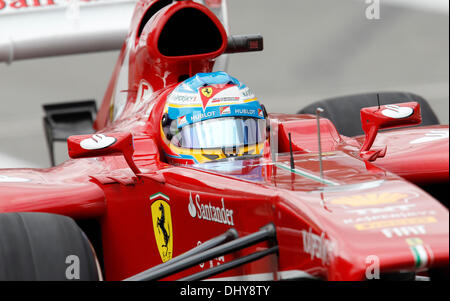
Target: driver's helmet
[[210, 117]]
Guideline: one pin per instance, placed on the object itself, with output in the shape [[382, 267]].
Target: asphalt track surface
[[314, 49]]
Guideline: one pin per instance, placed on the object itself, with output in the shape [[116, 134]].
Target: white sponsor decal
[[230, 94], [404, 231], [97, 141], [431, 136], [396, 215], [245, 111], [247, 93], [6, 179], [386, 209], [213, 262], [191, 207], [317, 246], [209, 212], [183, 98], [200, 116], [397, 112], [164, 77], [144, 94]]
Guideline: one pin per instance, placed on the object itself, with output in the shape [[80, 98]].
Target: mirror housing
[[384, 117], [103, 144]]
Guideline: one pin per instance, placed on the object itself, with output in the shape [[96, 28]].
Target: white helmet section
[[228, 96]]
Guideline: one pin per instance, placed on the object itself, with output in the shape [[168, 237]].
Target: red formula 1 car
[[188, 177]]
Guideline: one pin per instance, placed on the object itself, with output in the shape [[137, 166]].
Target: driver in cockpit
[[212, 116]]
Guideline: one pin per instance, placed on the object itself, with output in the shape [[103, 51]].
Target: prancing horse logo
[[162, 225], [207, 92]]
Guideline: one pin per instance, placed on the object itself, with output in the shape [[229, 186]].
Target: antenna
[[318, 111], [291, 153], [378, 99]]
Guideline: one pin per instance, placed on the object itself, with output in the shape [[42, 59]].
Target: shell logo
[[191, 207], [397, 112], [370, 199], [97, 141]]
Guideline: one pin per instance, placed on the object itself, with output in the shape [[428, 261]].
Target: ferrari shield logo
[[207, 92], [162, 225]]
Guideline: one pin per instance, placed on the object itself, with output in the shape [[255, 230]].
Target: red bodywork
[[328, 228]]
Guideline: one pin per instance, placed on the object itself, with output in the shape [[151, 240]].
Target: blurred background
[[314, 49]]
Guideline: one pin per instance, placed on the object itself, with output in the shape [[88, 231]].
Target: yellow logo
[[396, 222], [162, 226], [369, 199], [207, 92], [414, 241]]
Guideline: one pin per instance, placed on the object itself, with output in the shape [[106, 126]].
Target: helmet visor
[[226, 132]]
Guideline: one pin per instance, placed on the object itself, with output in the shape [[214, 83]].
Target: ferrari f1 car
[[188, 177]]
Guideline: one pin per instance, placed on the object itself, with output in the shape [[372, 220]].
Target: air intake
[[189, 31]]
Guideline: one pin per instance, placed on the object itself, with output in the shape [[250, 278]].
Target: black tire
[[41, 246], [344, 111], [439, 274]]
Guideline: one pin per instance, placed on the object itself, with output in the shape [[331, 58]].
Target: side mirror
[[103, 144], [384, 117]]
